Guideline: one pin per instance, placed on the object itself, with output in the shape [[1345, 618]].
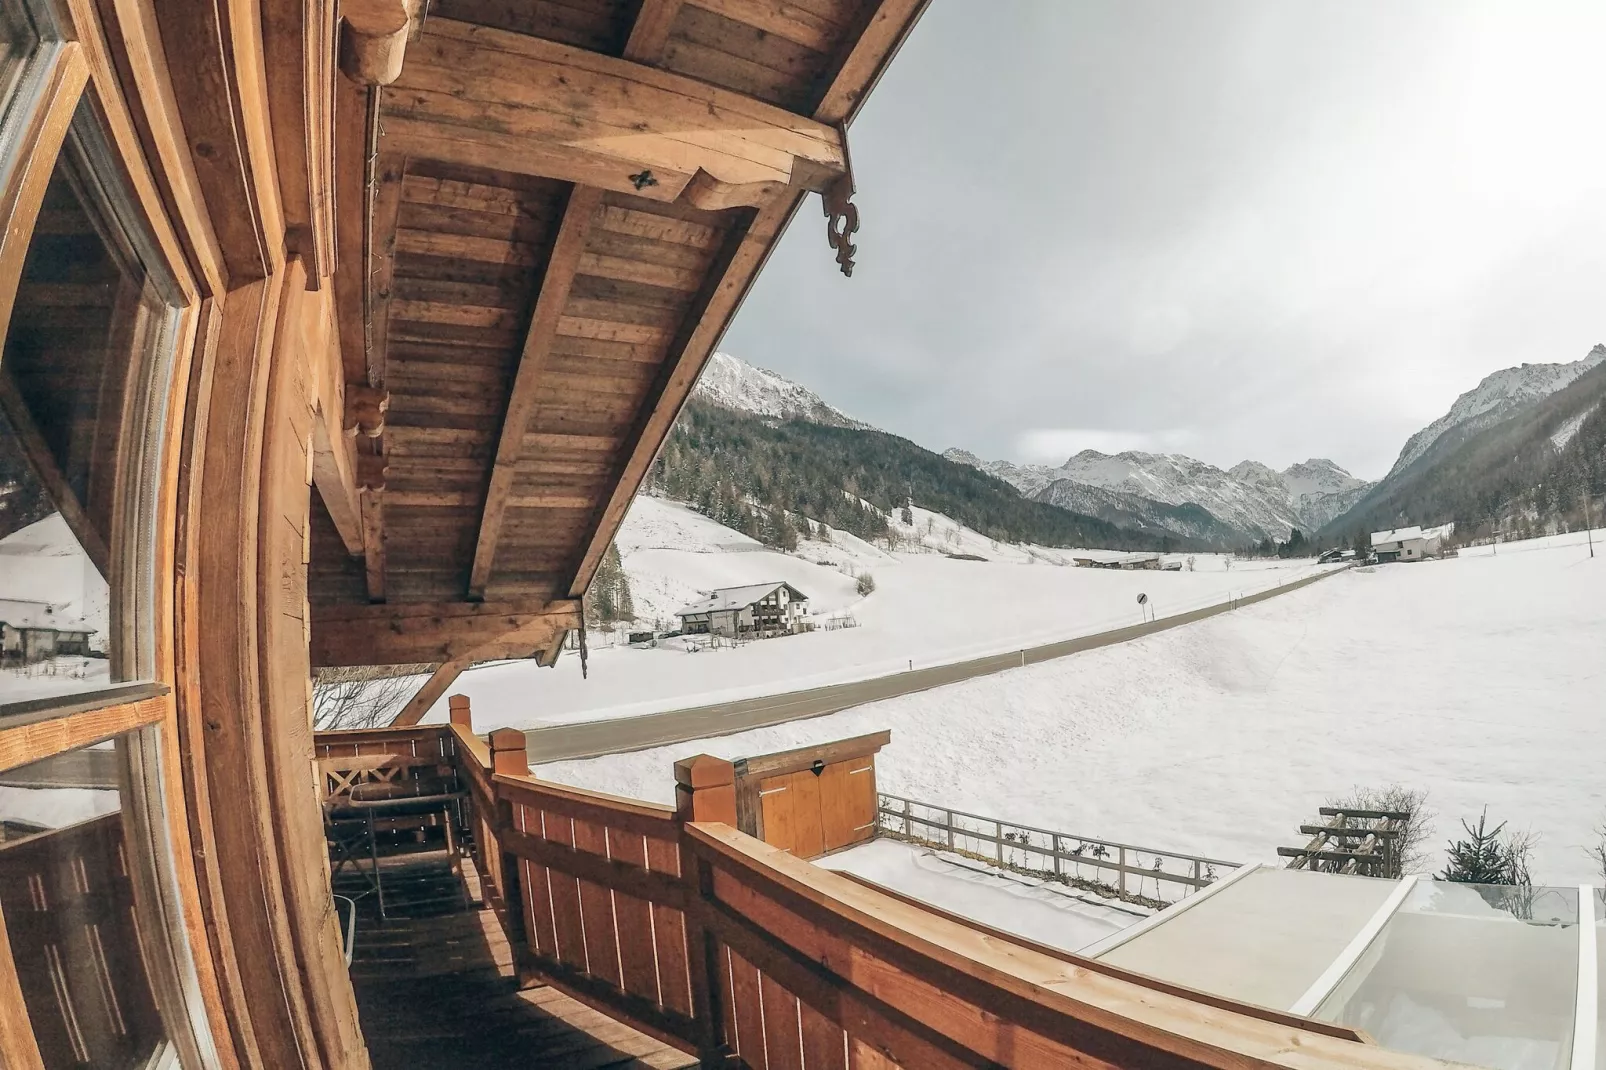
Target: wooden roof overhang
[[562, 204]]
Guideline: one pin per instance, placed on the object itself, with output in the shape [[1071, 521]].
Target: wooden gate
[[812, 800]]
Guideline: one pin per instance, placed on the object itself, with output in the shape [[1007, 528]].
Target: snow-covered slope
[[1144, 490], [736, 384], [1498, 396]]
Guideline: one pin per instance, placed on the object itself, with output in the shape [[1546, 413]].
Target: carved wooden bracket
[[365, 410], [371, 471], [841, 214]]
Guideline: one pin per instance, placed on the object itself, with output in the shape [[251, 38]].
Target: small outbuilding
[[757, 611]]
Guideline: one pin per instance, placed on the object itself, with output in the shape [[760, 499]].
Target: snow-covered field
[[1481, 679], [927, 609]]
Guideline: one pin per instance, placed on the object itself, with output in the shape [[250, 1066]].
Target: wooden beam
[[37, 450], [650, 31], [352, 125], [443, 677], [334, 474], [372, 502], [486, 97], [413, 633], [384, 189], [373, 40], [727, 283], [865, 57], [561, 265]]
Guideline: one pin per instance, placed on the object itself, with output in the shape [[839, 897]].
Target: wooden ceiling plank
[[786, 21], [549, 305], [728, 281]]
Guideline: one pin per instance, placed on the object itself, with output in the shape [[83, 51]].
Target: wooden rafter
[[729, 278], [867, 54], [490, 98], [61, 493], [555, 285], [443, 677], [414, 633], [650, 31]]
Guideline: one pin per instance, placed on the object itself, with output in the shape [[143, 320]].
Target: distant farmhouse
[[1410, 544], [757, 611], [35, 631], [1125, 562]]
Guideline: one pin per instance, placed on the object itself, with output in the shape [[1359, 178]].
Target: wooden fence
[[711, 940], [1124, 871]]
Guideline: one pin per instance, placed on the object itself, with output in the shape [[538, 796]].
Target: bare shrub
[[362, 696]]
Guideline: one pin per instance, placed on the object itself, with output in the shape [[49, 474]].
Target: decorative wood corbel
[[365, 410], [841, 214]]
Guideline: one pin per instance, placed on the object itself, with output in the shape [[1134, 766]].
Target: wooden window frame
[[69, 97]]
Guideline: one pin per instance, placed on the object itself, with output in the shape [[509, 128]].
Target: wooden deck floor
[[435, 987]]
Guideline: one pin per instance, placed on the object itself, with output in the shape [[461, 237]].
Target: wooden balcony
[[666, 934]]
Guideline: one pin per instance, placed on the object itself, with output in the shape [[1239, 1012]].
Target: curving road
[[591, 739]]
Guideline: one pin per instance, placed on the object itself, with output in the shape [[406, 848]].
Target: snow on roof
[[20, 613], [1397, 535], [737, 597]]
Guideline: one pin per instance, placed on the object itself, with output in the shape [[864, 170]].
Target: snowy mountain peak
[[1497, 396], [1250, 498], [736, 384]]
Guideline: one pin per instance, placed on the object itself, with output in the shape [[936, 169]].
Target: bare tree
[[1418, 829], [1598, 852], [363, 696]]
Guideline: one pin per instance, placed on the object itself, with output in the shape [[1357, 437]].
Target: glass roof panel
[[1264, 940], [1483, 974]]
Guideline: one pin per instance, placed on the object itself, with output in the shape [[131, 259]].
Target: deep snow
[[1480, 679], [927, 609]]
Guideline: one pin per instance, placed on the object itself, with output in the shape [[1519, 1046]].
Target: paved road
[[589, 739]]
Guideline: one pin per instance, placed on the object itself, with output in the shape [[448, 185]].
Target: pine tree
[[1484, 857]]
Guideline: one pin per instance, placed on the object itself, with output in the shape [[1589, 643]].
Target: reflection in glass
[[68, 904], [17, 40], [1481, 974], [71, 398]]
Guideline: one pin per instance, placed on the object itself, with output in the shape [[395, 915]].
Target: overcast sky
[[1273, 230]]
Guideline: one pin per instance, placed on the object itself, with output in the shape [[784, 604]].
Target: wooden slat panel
[[862, 1056], [824, 1042], [783, 1041], [778, 802], [809, 838], [637, 954], [596, 909], [566, 916], [669, 934], [749, 1010]]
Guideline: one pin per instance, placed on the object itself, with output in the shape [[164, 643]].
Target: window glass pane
[[74, 404], [17, 40], [68, 903]]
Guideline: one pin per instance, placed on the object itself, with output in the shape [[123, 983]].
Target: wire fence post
[[1121, 859], [950, 826], [1057, 874], [998, 842], [906, 817]]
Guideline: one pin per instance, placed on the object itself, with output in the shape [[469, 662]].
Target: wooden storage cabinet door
[[847, 803], [778, 803]]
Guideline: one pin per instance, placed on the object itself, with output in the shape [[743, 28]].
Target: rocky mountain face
[[1499, 396], [1247, 503], [1517, 457], [736, 384]]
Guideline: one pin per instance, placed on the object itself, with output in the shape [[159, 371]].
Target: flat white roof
[[1397, 535]]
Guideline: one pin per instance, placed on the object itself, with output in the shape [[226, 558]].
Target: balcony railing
[[727, 947]]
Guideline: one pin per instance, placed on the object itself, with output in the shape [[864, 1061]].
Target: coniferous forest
[[762, 476]]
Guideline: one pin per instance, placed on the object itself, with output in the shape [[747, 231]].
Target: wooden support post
[[508, 752], [705, 789], [460, 713]]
